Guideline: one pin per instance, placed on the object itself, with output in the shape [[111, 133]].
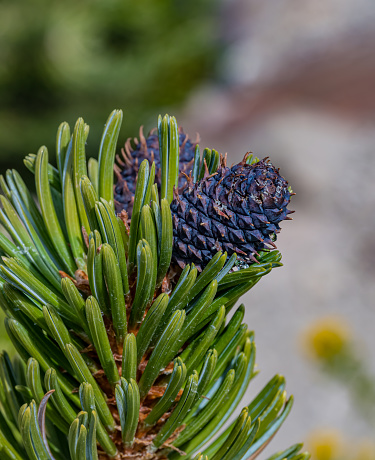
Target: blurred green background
[[61, 60]]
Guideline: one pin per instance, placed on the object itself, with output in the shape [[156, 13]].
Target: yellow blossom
[[327, 337], [325, 445], [366, 450]]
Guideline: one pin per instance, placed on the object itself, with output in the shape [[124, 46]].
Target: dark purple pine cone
[[237, 210], [146, 148]]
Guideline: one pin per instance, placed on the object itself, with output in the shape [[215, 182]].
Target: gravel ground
[[297, 89]]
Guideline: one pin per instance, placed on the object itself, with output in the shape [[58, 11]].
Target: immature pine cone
[[237, 210], [146, 148]]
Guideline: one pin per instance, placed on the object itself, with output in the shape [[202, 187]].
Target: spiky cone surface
[[115, 357], [146, 148], [236, 210]]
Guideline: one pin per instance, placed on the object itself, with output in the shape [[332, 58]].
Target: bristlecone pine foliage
[[124, 347]]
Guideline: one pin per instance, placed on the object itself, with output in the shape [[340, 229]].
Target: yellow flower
[[325, 445], [366, 451], [327, 337]]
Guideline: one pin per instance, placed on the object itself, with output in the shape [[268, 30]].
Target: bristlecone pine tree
[[117, 300]]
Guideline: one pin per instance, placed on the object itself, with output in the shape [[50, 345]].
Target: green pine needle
[[118, 351]]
